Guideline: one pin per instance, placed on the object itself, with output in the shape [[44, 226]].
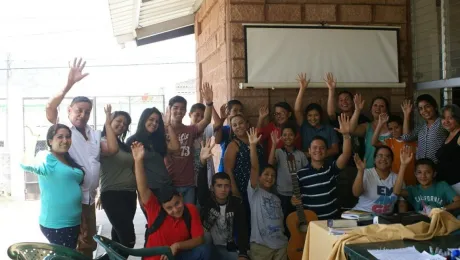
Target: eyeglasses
[[279, 114]]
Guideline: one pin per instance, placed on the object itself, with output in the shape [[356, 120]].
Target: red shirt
[[172, 230], [266, 139]]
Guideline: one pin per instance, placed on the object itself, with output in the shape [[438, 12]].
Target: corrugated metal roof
[[130, 15]]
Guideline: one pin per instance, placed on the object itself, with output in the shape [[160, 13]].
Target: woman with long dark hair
[[59, 179], [158, 138], [118, 183]]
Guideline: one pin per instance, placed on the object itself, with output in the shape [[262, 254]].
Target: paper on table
[[408, 253]]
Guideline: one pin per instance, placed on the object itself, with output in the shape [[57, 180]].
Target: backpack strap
[[161, 218]]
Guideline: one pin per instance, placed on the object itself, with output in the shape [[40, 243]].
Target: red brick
[[252, 103], [223, 52], [284, 13], [320, 13], [221, 36], [222, 14], [211, 63], [238, 68], [207, 48], [403, 33], [355, 13], [247, 13], [390, 14], [396, 2], [246, 1], [237, 49], [236, 31], [246, 92]]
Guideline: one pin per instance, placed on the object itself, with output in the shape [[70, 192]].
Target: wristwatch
[[347, 136]]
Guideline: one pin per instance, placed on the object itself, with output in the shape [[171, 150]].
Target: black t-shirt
[[358, 145], [448, 163]]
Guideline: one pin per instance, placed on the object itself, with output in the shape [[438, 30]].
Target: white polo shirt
[[87, 153]]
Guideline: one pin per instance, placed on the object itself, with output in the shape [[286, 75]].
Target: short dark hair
[[287, 107], [220, 176], [378, 148], [454, 110], [197, 106], [394, 118], [233, 102], [81, 99], [267, 166], [425, 161], [430, 100], [166, 193], [317, 107], [346, 92], [290, 125], [318, 137], [122, 137], [387, 103], [177, 99]]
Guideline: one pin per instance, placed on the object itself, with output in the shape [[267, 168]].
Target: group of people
[[239, 211]]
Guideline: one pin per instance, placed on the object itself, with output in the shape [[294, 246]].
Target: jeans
[[120, 207], [188, 193], [202, 252]]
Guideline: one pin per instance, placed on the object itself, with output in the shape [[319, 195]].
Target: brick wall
[[348, 12]]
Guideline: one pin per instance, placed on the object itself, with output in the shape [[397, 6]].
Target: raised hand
[[223, 111], [360, 164], [359, 102], [383, 118], [263, 112], [206, 150], [76, 72], [138, 151], [275, 138], [206, 93], [252, 136], [108, 112], [330, 81], [344, 123], [303, 81], [406, 107], [167, 116], [406, 155]]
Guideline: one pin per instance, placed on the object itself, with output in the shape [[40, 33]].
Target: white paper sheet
[[408, 253]]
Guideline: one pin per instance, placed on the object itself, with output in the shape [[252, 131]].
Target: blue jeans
[[202, 252], [188, 193]]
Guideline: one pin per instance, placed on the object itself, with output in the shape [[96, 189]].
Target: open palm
[[76, 71]]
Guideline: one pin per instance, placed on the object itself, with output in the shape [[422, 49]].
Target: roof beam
[[165, 26]]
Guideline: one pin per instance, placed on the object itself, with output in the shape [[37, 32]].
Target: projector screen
[[352, 54]]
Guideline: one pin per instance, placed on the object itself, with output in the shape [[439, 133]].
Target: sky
[[49, 33]]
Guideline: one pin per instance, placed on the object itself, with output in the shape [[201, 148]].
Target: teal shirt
[[370, 149], [60, 191], [438, 195]]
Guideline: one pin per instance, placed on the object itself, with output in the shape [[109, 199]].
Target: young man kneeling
[[171, 222], [221, 213]]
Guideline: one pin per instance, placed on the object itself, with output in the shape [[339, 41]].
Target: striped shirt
[[318, 189], [430, 139]]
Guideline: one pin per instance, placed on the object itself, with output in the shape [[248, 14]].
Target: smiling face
[[379, 106], [196, 116], [79, 114], [383, 159], [174, 207], [235, 110], [152, 123], [395, 129], [281, 115], [288, 137], [178, 111], [61, 141], [119, 125], [267, 178], [345, 102], [424, 174], [426, 110], [449, 122], [314, 117], [317, 150], [239, 126]]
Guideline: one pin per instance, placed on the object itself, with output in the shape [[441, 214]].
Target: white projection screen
[[352, 54]]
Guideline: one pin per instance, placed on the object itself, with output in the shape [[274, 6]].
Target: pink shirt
[[180, 164]]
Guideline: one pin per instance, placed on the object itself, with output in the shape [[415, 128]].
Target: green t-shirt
[[437, 195]]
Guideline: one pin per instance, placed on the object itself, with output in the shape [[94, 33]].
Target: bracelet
[[347, 136], [210, 104]]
